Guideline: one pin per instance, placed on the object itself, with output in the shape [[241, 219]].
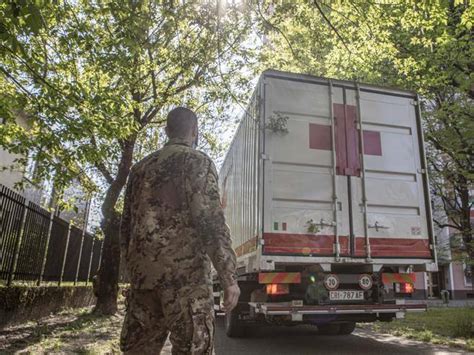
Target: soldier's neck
[[180, 141]]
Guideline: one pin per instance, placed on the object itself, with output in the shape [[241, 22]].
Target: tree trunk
[[107, 291], [107, 283]]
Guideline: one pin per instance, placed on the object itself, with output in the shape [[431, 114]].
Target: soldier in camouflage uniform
[[172, 227]]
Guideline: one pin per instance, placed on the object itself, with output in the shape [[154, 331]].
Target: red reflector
[[406, 288], [278, 289], [279, 278]]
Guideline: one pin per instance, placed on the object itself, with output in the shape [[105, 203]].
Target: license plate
[[346, 295]]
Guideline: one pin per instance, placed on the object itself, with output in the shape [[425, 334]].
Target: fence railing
[[37, 246]]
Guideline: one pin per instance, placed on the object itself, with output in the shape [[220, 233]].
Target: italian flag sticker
[[277, 225]]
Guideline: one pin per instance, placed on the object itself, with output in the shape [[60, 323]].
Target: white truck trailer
[[325, 190]]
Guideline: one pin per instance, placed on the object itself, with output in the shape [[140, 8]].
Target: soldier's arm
[[208, 217], [125, 227]]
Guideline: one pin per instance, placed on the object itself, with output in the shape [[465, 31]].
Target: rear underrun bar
[[288, 309]]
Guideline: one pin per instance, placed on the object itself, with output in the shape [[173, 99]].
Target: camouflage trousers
[[186, 314]]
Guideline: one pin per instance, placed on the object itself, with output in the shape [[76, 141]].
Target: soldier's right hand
[[231, 297]]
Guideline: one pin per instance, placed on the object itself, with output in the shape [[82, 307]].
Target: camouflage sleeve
[[125, 227], [208, 217]]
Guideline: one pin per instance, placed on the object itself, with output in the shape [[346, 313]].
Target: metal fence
[[37, 246]]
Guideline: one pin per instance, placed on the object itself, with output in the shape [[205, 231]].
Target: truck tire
[[234, 327], [346, 328], [329, 329]]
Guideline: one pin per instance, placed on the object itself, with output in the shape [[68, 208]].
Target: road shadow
[[304, 339]]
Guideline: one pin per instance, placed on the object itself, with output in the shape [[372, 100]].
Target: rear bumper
[[276, 309]]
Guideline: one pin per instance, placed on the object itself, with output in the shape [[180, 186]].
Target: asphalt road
[[300, 340]]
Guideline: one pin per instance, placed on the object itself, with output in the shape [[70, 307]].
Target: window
[[31, 165], [467, 274]]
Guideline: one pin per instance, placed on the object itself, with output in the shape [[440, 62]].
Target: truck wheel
[[329, 329], [346, 328], [234, 327]]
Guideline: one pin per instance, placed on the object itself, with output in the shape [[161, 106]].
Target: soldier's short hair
[[180, 121]]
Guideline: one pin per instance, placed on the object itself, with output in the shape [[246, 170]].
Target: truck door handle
[[323, 223], [316, 227], [377, 226]]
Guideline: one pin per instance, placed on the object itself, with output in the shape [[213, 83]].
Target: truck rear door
[[302, 214], [317, 199], [393, 220]]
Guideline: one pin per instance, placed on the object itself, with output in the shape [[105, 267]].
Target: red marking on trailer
[[352, 142], [341, 150], [320, 136], [347, 140], [372, 143]]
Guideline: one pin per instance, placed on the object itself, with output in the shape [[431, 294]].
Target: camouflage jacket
[[173, 224]]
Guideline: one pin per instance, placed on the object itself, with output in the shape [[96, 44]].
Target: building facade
[[12, 173], [452, 275]]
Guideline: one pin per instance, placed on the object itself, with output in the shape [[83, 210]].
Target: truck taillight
[[278, 289], [404, 288]]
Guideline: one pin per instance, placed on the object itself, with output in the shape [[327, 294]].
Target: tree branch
[[101, 166], [103, 170], [445, 225], [278, 30], [331, 25]]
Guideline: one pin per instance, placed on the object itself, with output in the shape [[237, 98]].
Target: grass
[[447, 326], [71, 331], [75, 331]]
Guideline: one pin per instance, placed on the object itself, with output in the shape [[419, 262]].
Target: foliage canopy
[[424, 46]]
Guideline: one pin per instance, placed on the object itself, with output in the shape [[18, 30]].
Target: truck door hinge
[[265, 157]]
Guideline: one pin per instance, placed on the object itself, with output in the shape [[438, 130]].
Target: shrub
[[470, 345], [425, 335]]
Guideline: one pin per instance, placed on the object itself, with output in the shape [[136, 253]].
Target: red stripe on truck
[[286, 243], [309, 244], [419, 248], [279, 277], [390, 278]]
